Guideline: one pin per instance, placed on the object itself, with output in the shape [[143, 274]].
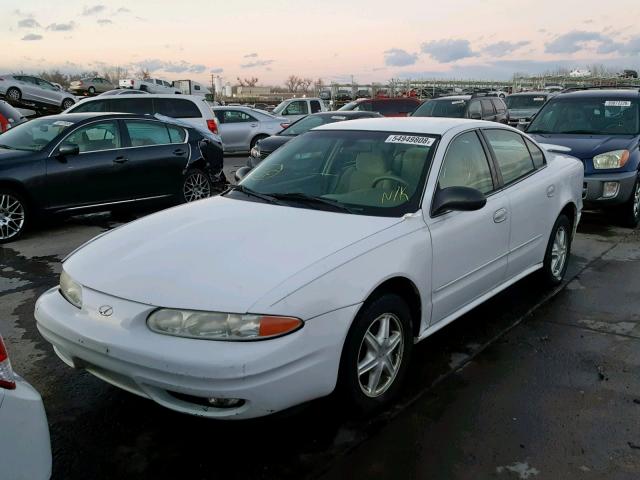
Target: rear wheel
[[376, 354], [629, 212], [92, 90], [13, 215], [195, 186], [67, 103], [13, 95], [556, 258]]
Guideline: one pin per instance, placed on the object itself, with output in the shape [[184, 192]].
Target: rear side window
[[511, 153], [389, 107], [536, 154], [176, 134], [177, 108], [366, 106], [499, 105], [143, 133], [141, 106], [315, 106], [487, 108], [475, 111], [94, 106]]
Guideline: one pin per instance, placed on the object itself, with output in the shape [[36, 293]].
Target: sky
[[373, 40]]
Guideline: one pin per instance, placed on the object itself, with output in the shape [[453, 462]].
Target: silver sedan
[[27, 90], [241, 127]]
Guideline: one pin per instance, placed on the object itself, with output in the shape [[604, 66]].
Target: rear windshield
[[442, 108], [588, 116], [526, 101]]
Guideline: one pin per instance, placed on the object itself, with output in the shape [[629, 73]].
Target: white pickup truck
[[151, 85], [296, 108]]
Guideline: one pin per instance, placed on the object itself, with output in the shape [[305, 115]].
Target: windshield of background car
[[370, 173], [34, 135], [281, 106], [441, 108], [588, 116], [312, 121], [526, 101]]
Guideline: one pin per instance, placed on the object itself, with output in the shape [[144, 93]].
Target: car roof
[[151, 95], [387, 99], [80, 117], [532, 92], [601, 92], [454, 97], [346, 113], [422, 125]]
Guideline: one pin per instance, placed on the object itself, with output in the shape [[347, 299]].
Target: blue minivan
[[601, 127]]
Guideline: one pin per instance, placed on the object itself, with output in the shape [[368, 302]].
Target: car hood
[[219, 254], [585, 147], [522, 112], [7, 156], [269, 144]]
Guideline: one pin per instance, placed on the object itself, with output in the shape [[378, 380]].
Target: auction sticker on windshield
[[410, 140], [617, 103]]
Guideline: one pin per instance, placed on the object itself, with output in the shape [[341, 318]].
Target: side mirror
[[463, 199], [68, 150], [241, 173], [475, 116]]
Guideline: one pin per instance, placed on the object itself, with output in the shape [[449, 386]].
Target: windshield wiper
[[252, 193], [578, 132], [310, 199]]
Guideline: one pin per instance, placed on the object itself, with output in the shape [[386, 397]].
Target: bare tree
[[143, 74], [292, 83], [247, 82], [305, 83]]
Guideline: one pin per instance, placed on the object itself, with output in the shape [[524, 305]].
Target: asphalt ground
[[532, 384]]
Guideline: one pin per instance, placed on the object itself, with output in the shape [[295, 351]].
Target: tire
[[361, 391], [91, 90], [13, 95], [629, 212], [256, 139], [143, 88], [558, 249], [14, 215], [67, 103], [196, 185]]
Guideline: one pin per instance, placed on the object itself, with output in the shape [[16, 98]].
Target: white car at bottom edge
[[320, 270]]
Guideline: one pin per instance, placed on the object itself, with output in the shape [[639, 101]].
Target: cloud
[[251, 55], [257, 63], [155, 64], [123, 10], [397, 57], [32, 37], [501, 49], [573, 42], [28, 23], [104, 21], [61, 27], [93, 10], [448, 50], [197, 68], [628, 48], [216, 70]]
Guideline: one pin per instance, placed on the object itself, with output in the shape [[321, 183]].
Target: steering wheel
[[393, 178]]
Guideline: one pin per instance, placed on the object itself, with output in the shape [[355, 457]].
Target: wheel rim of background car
[[67, 104], [636, 201], [380, 355], [11, 216], [196, 187], [13, 94], [559, 252]]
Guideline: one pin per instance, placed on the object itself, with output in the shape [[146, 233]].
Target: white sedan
[[320, 270]]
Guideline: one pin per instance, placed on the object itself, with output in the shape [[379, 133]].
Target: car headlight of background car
[[220, 326], [614, 159], [71, 290]]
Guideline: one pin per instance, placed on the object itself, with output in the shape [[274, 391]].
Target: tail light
[[132, 82], [284, 125], [7, 379], [212, 126], [4, 124]]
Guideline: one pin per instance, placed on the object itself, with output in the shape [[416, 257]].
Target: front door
[[469, 248]]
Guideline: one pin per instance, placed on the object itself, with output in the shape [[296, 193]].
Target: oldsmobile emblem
[[105, 310]]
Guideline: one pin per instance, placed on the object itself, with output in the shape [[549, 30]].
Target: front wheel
[[196, 185], [92, 91], [629, 212], [376, 354], [67, 103], [13, 95], [256, 139], [13, 215], [556, 258]]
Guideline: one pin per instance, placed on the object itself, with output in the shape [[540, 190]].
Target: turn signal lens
[[615, 159], [220, 326], [7, 379]]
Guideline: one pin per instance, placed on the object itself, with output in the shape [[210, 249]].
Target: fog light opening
[[610, 189], [225, 402], [214, 402]]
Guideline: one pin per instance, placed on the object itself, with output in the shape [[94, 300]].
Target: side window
[[500, 106], [511, 153], [196, 87], [465, 165], [158, 82], [487, 107], [408, 106], [166, 84], [475, 110], [177, 108], [387, 107], [315, 106], [536, 154], [147, 133], [299, 107], [94, 137], [220, 114], [236, 116], [132, 105], [94, 106], [176, 134]]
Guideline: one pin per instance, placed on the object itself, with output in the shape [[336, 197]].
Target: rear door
[[236, 129], [29, 88], [94, 175], [156, 158]]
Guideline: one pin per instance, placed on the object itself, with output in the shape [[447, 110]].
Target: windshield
[[312, 121], [588, 116], [442, 108], [34, 135], [526, 101], [367, 173], [349, 106]]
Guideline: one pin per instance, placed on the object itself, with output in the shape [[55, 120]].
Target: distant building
[[252, 91]]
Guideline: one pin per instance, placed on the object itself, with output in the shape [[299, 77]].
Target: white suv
[[151, 85], [191, 109]]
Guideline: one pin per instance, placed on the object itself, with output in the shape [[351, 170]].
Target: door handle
[[254, 125], [120, 160], [179, 152], [551, 190], [500, 215]]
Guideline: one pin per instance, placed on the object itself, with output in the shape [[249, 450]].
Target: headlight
[[70, 289], [255, 152], [220, 326], [615, 159]]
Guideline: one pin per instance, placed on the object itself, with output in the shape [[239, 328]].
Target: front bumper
[[25, 446], [269, 375], [593, 188]]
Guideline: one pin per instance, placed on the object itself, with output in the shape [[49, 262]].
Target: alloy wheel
[[67, 104], [636, 200], [12, 215], [14, 95], [559, 252], [196, 187], [380, 355]]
